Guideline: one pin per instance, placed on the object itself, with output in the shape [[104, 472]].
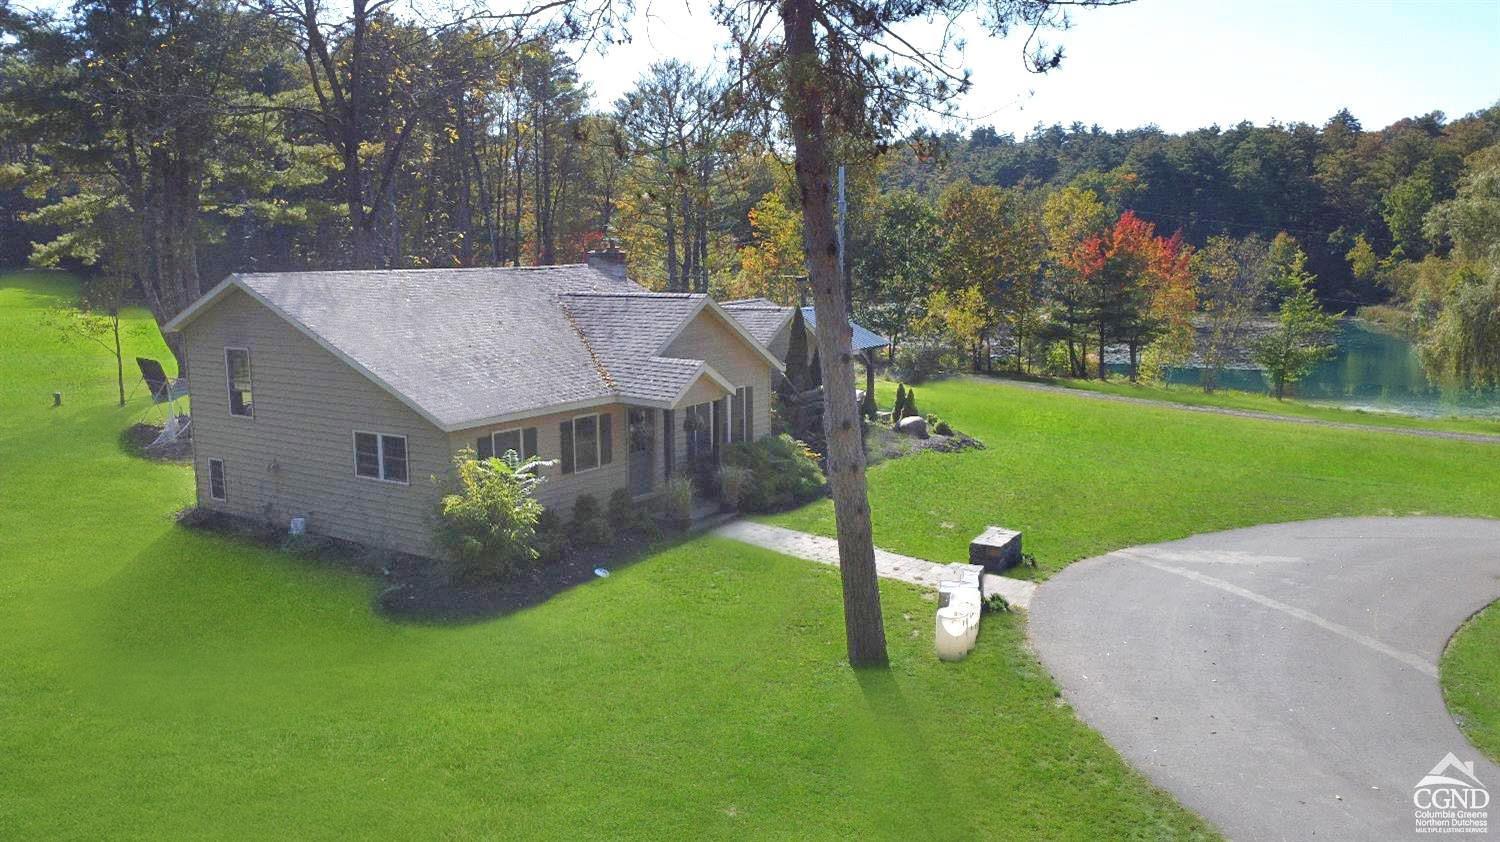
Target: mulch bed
[[423, 593], [416, 589], [882, 442], [136, 440]]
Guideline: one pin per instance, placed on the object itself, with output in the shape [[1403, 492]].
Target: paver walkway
[[888, 565]]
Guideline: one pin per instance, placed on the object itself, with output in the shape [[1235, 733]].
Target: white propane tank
[[952, 637]]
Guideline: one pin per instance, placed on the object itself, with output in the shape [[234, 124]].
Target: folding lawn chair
[[165, 390]]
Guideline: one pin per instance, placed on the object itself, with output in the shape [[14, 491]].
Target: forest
[[158, 146]]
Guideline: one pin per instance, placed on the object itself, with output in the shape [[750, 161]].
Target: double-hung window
[[237, 374], [380, 456], [587, 442], [521, 441]]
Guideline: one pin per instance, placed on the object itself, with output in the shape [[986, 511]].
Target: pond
[[1371, 370]]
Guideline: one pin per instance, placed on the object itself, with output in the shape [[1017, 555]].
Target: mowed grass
[[1252, 402], [1470, 673], [161, 683], [1080, 476]]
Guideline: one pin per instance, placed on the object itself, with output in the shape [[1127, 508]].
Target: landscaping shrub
[[942, 428], [551, 540], [487, 523], [905, 405], [782, 473], [622, 510], [676, 502], [589, 526], [732, 479]]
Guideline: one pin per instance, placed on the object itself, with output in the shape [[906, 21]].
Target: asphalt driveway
[[1280, 680]]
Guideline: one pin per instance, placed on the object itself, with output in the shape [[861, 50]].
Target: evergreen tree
[[1300, 340]]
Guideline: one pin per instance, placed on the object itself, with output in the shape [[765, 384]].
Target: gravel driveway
[[1280, 680]]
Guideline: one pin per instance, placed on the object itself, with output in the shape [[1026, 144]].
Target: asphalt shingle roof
[[626, 330], [761, 317], [469, 345]]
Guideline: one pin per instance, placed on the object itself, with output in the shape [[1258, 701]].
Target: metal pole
[[843, 207]]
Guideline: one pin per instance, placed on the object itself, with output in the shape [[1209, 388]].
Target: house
[[337, 396]]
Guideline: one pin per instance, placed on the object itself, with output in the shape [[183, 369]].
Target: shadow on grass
[[135, 439], [913, 736]]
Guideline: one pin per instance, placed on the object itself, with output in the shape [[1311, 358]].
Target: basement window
[[218, 488]]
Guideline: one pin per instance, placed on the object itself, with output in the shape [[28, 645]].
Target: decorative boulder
[[913, 425], [859, 397], [996, 549]]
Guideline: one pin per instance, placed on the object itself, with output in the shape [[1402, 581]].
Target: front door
[[642, 450]]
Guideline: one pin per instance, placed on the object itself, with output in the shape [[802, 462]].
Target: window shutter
[[749, 413], [528, 442], [668, 438], [565, 434], [606, 438], [484, 448]]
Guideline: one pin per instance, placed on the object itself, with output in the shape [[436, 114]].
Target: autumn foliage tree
[[1139, 290]]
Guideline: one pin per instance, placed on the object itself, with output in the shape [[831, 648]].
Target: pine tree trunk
[[864, 627]]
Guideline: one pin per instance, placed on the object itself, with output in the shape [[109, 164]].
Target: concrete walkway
[[1281, 680], [888, 565]]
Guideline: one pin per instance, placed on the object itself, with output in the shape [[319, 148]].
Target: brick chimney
[[608, 259]]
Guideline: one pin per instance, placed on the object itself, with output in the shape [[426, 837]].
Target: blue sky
[[1181, 64]]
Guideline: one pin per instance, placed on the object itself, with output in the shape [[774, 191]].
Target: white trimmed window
[[237, 376], [218, 486], [587, 442], [380, 456], [521, 441]]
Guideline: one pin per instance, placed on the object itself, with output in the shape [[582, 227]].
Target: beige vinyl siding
[[560, 490], [296, 455], [708, 338], [706, 389]]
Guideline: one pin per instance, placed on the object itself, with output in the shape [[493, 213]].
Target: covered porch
[[687, 436]]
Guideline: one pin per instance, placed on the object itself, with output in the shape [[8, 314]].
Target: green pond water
[[1371, 370]]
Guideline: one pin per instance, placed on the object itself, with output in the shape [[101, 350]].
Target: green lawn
[[1471, 679], [157, 682], [1081, 476], [1230, 399]]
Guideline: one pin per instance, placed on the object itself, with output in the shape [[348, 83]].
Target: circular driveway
[[1281, 680]]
